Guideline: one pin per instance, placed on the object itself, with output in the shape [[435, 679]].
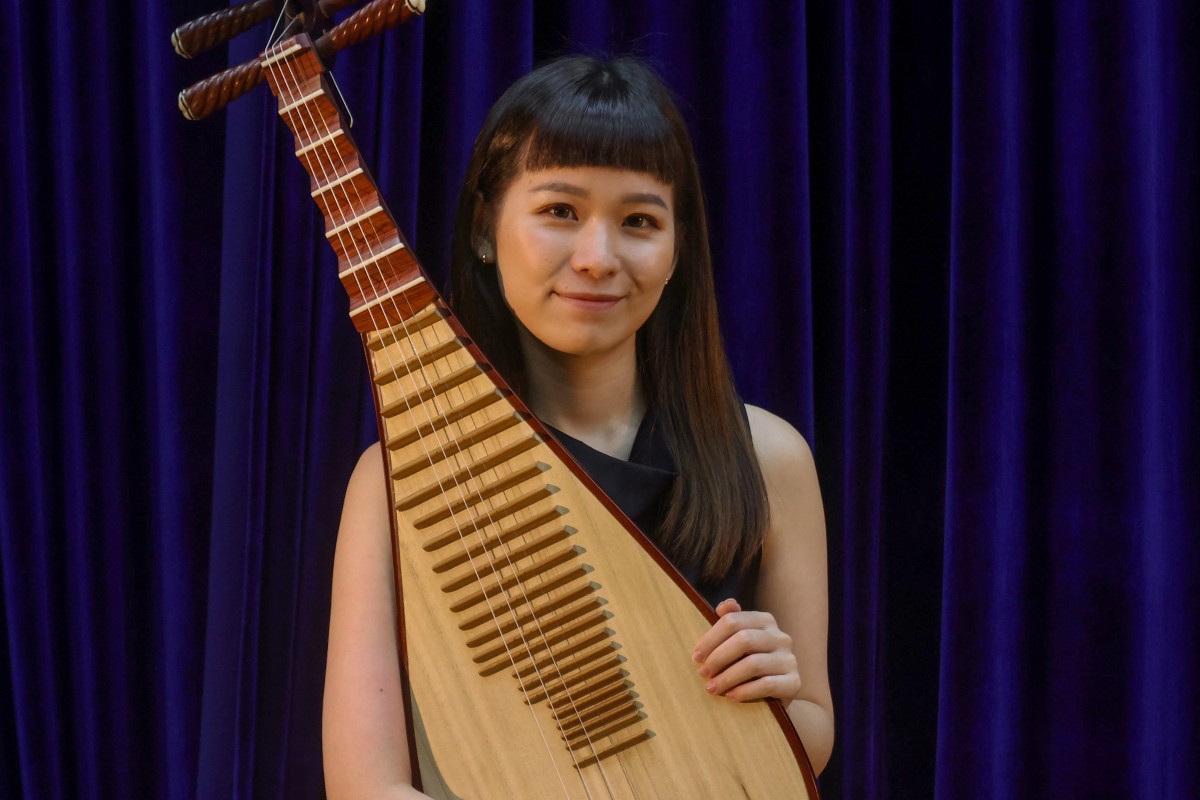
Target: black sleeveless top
[[640, 488]]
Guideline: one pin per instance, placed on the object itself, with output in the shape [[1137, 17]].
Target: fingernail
[[704, 672], [696, 656]]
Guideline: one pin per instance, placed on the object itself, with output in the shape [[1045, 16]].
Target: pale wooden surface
[[631, 626]]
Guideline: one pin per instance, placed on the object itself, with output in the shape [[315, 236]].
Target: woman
[[581, 266]]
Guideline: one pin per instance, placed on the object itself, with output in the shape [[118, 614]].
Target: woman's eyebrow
[[559, 186], [645, 197]]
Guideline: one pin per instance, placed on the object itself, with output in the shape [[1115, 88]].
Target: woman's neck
[[596, 399]]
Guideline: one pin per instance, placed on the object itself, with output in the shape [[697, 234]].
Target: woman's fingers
[[729, 626], [775, 672], [782, 686], [745, 656], [741, 643], [717, 633], [732, 620], [727, 606]]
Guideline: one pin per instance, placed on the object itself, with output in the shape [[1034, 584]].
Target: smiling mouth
[[588, 301]]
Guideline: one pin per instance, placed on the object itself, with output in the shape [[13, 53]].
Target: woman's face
[[583, 255]]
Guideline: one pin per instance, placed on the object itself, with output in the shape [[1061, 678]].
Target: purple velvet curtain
[[954, 246]]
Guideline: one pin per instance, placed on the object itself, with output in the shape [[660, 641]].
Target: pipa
[[544, 640]]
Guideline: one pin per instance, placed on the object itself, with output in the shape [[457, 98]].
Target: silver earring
[[486, 251]]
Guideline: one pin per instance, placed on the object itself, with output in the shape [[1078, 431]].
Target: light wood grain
[[541, 634]]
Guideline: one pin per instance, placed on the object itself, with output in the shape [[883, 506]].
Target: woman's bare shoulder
[[366, 493], [370, 466], [782, 451]]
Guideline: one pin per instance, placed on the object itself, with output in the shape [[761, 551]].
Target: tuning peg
[[210, 30]]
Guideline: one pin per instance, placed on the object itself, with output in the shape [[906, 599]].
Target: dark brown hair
[[580, 111]]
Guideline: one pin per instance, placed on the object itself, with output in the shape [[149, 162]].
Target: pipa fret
[[495, 562], [482, 546], [530, 594], [540, 610], [357, 223]]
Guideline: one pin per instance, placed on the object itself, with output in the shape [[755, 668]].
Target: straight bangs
[[580, 112], [604, 130]]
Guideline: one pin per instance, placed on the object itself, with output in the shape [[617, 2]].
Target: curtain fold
[[104, 419], [852, 187], [1069, 533], [954, 247]]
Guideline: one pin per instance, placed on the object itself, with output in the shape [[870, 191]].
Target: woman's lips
[[588, 301]]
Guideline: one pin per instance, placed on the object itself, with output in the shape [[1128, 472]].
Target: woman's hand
[[746, 657]]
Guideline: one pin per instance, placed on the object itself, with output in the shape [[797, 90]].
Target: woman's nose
[[595, 250]]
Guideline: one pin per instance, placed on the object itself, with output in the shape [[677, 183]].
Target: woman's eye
[[560, 211], [641, 221]]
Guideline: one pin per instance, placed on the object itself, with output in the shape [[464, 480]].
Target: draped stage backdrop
[[956, 248]]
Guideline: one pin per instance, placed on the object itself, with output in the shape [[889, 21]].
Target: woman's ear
[[482, 240]]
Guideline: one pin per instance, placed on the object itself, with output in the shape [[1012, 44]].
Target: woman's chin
[[558, 346]]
